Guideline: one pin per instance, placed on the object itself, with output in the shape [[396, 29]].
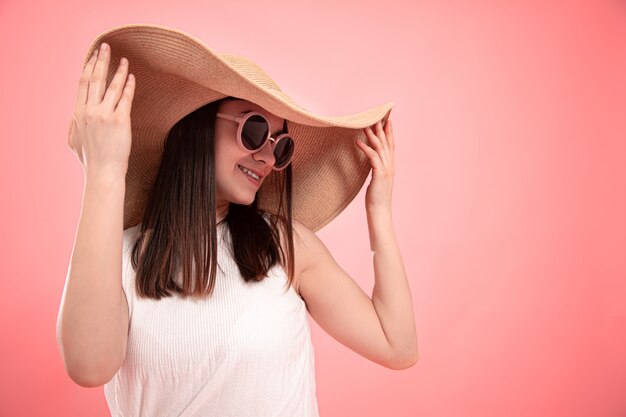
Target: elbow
[[88, 379], [404, 361], [411, 361], [83, 371], [86, 376], [404, 364]]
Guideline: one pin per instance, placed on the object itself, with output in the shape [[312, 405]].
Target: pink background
[[509, 200]]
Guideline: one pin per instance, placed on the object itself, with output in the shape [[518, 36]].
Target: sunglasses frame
[[241, 121]]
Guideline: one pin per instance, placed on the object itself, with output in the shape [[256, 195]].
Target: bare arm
[[391, 295], [336, 302], [380, 328], [92, 325]]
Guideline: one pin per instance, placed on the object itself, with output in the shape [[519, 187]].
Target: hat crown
[[177, 73], [251, 71]]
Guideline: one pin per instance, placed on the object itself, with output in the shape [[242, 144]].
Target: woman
[[238, 190]]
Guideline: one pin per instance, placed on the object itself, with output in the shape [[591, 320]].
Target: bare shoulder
[[305, 245], [313, 260]]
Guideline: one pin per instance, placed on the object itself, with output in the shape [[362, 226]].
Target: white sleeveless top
[[243, 351]]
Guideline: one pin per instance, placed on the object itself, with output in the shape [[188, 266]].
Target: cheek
[[226, 164], [227, 155], [223, 155]]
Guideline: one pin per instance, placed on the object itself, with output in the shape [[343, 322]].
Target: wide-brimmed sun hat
[[177, 73]]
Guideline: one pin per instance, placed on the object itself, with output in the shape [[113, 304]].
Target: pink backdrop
[[509, 201]]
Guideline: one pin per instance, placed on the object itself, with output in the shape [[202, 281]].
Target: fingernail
[[104, 47]]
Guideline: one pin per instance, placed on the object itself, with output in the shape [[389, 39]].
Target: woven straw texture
[[176, 73]]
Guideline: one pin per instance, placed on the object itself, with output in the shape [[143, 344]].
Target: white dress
[[244, 351]]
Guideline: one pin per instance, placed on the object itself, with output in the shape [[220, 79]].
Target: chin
[[244, 200]]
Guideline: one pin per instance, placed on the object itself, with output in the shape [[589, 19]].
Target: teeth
[[247, 171]]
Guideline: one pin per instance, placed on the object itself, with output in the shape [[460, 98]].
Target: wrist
[[379, 214]]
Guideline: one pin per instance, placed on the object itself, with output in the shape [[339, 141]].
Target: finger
[[83, 83], [380, 133], [69, 131], [371, 154], [373, 139], [376, 143], [97, 83], [113, 93], [125, 103], [385, 140], [391, 145], [389, 135]]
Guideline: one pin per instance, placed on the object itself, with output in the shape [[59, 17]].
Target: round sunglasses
[[254, 131]]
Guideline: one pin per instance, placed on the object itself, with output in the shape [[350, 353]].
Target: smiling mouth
[[254, 178]]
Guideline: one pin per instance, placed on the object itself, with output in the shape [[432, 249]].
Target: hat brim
[[176, 73]]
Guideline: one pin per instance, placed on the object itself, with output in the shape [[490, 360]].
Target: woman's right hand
[[100, 129]]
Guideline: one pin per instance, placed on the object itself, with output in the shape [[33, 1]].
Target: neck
[[221, 210]]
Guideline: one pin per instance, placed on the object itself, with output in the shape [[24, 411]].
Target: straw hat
[[176, 73]]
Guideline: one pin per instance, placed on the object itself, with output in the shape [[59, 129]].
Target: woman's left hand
[[380, 155]]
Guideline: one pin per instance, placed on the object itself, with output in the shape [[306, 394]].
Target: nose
[[266, 153]]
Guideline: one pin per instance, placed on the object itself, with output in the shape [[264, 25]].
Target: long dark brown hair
[[179, 229]]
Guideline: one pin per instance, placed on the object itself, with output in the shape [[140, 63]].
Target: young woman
[[195, 260]]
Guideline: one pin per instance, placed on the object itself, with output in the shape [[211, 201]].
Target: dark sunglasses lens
[[283, 151], [254, 132]]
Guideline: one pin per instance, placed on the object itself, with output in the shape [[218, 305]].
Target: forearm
[[391, 295], [90, 324]]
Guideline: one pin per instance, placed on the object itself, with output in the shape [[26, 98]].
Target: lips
[[253, 170]]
